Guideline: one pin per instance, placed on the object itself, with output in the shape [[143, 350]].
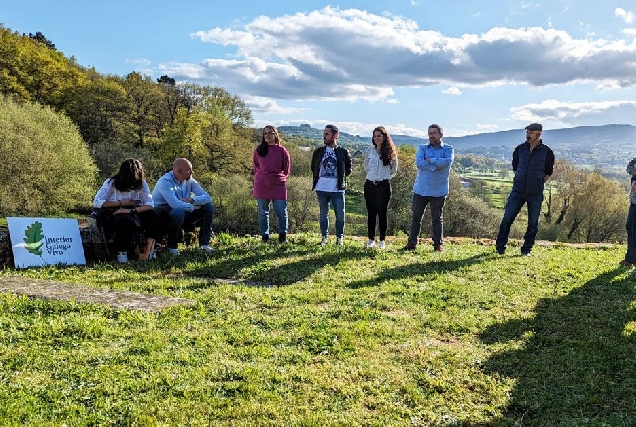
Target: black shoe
[[282, 238], [408, 247], [265, 238], [438, 248], [523, 253], [501, 251]]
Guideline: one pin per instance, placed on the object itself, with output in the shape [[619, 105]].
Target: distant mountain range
[[607, 147]]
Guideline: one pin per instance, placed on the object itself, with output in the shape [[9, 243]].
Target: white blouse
[[108, 193], [376, 171]]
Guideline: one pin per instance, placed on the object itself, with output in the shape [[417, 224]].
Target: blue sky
[[470, 66]]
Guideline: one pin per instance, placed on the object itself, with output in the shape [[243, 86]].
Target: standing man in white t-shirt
[[331, 165]]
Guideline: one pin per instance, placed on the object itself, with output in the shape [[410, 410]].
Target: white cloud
[[259, 104], [625, 15], [138, 61], [487, 128], [560, 114], [452, 91], [324, 54]]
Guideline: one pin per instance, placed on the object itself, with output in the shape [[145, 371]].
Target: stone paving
[[47, 289]]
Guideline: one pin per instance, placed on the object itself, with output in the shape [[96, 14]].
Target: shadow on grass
[[578, 363], [420, 268], [233, 264]]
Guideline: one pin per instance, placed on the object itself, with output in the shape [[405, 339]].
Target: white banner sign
[[44, 241]]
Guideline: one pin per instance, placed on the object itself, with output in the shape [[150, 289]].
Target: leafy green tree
[[100, 109], [47, 168], [144, 97]]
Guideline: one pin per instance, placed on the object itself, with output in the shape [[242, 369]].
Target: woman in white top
[[380, 165], [124, 205]]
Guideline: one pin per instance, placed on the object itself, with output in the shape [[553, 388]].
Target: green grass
[[333, 336]]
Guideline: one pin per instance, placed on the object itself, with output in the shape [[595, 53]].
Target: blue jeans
[[513, 206], [437, 218], [337, 200], [177, 219], [280, 207], [630, 255]]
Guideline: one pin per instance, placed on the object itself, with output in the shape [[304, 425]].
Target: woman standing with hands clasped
[[380, 165], [271, 165]]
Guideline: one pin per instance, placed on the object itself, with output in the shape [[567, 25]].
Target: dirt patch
[[47, 289]]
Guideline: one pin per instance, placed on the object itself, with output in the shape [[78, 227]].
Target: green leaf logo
[[34, 238]]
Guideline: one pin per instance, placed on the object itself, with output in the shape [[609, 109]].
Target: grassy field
[[331, 336]]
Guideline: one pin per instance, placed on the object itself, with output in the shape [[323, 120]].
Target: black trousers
[[124, 227], [377, 195]]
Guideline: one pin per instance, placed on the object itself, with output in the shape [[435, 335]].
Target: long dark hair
[[130, 176], [263, 147], [388, 153]]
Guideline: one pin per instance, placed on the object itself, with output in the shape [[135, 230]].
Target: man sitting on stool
[[180, 200]]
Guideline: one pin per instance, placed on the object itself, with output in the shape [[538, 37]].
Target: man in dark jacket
[[532, 163], [330, 166]]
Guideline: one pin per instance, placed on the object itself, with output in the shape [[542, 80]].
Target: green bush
[[47, 168]]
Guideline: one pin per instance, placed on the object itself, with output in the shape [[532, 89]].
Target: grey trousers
[[437, 209]]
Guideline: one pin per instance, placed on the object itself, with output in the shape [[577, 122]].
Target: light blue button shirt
[[433, 176]]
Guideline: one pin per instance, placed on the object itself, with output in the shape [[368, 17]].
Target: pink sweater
[[270, 173]]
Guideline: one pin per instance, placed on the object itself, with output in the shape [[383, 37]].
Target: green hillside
[[331, 336]]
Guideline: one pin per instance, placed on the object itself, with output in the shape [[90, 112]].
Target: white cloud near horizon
[[452, 91], [568, 114], [324, 55]]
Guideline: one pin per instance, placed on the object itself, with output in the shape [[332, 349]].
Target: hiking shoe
[[409, 247], [206, 248], [323, 242], [122, 257], [381, 245], [371, 244], [438, 248], [340, 241], [627, 264], [173, 251], [501, 251], [265, 238], [282, 238], [525, 253]]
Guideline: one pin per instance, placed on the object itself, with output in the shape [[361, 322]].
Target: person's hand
[[127, 202], [187, 200]]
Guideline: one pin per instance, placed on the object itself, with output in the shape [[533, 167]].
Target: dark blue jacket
[[531, 168]]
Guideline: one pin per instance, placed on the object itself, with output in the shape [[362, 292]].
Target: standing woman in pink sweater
[[271, 165]]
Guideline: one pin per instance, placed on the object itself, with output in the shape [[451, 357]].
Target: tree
[[598, 211], [39, 37], [144, 97], [568, 182], [46, 166]]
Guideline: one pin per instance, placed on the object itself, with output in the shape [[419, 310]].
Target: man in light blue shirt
[[182, 203], [433, 162]]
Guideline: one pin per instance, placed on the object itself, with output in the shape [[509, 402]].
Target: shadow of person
[[574, 363], [434, 266]]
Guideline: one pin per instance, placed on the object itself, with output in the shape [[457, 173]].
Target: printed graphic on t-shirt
[[328, 165]]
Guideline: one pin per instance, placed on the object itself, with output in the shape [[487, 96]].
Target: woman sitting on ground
[[126, 207]]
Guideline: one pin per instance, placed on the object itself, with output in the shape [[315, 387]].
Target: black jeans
[[377, 195]]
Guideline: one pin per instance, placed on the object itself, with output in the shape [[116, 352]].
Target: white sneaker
[[323, 242], [173, 251], [206, 248], [381, 245], [339, 241], [371, 244], [122, 257]]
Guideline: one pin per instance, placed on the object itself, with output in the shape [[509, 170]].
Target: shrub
[[47, 168]]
